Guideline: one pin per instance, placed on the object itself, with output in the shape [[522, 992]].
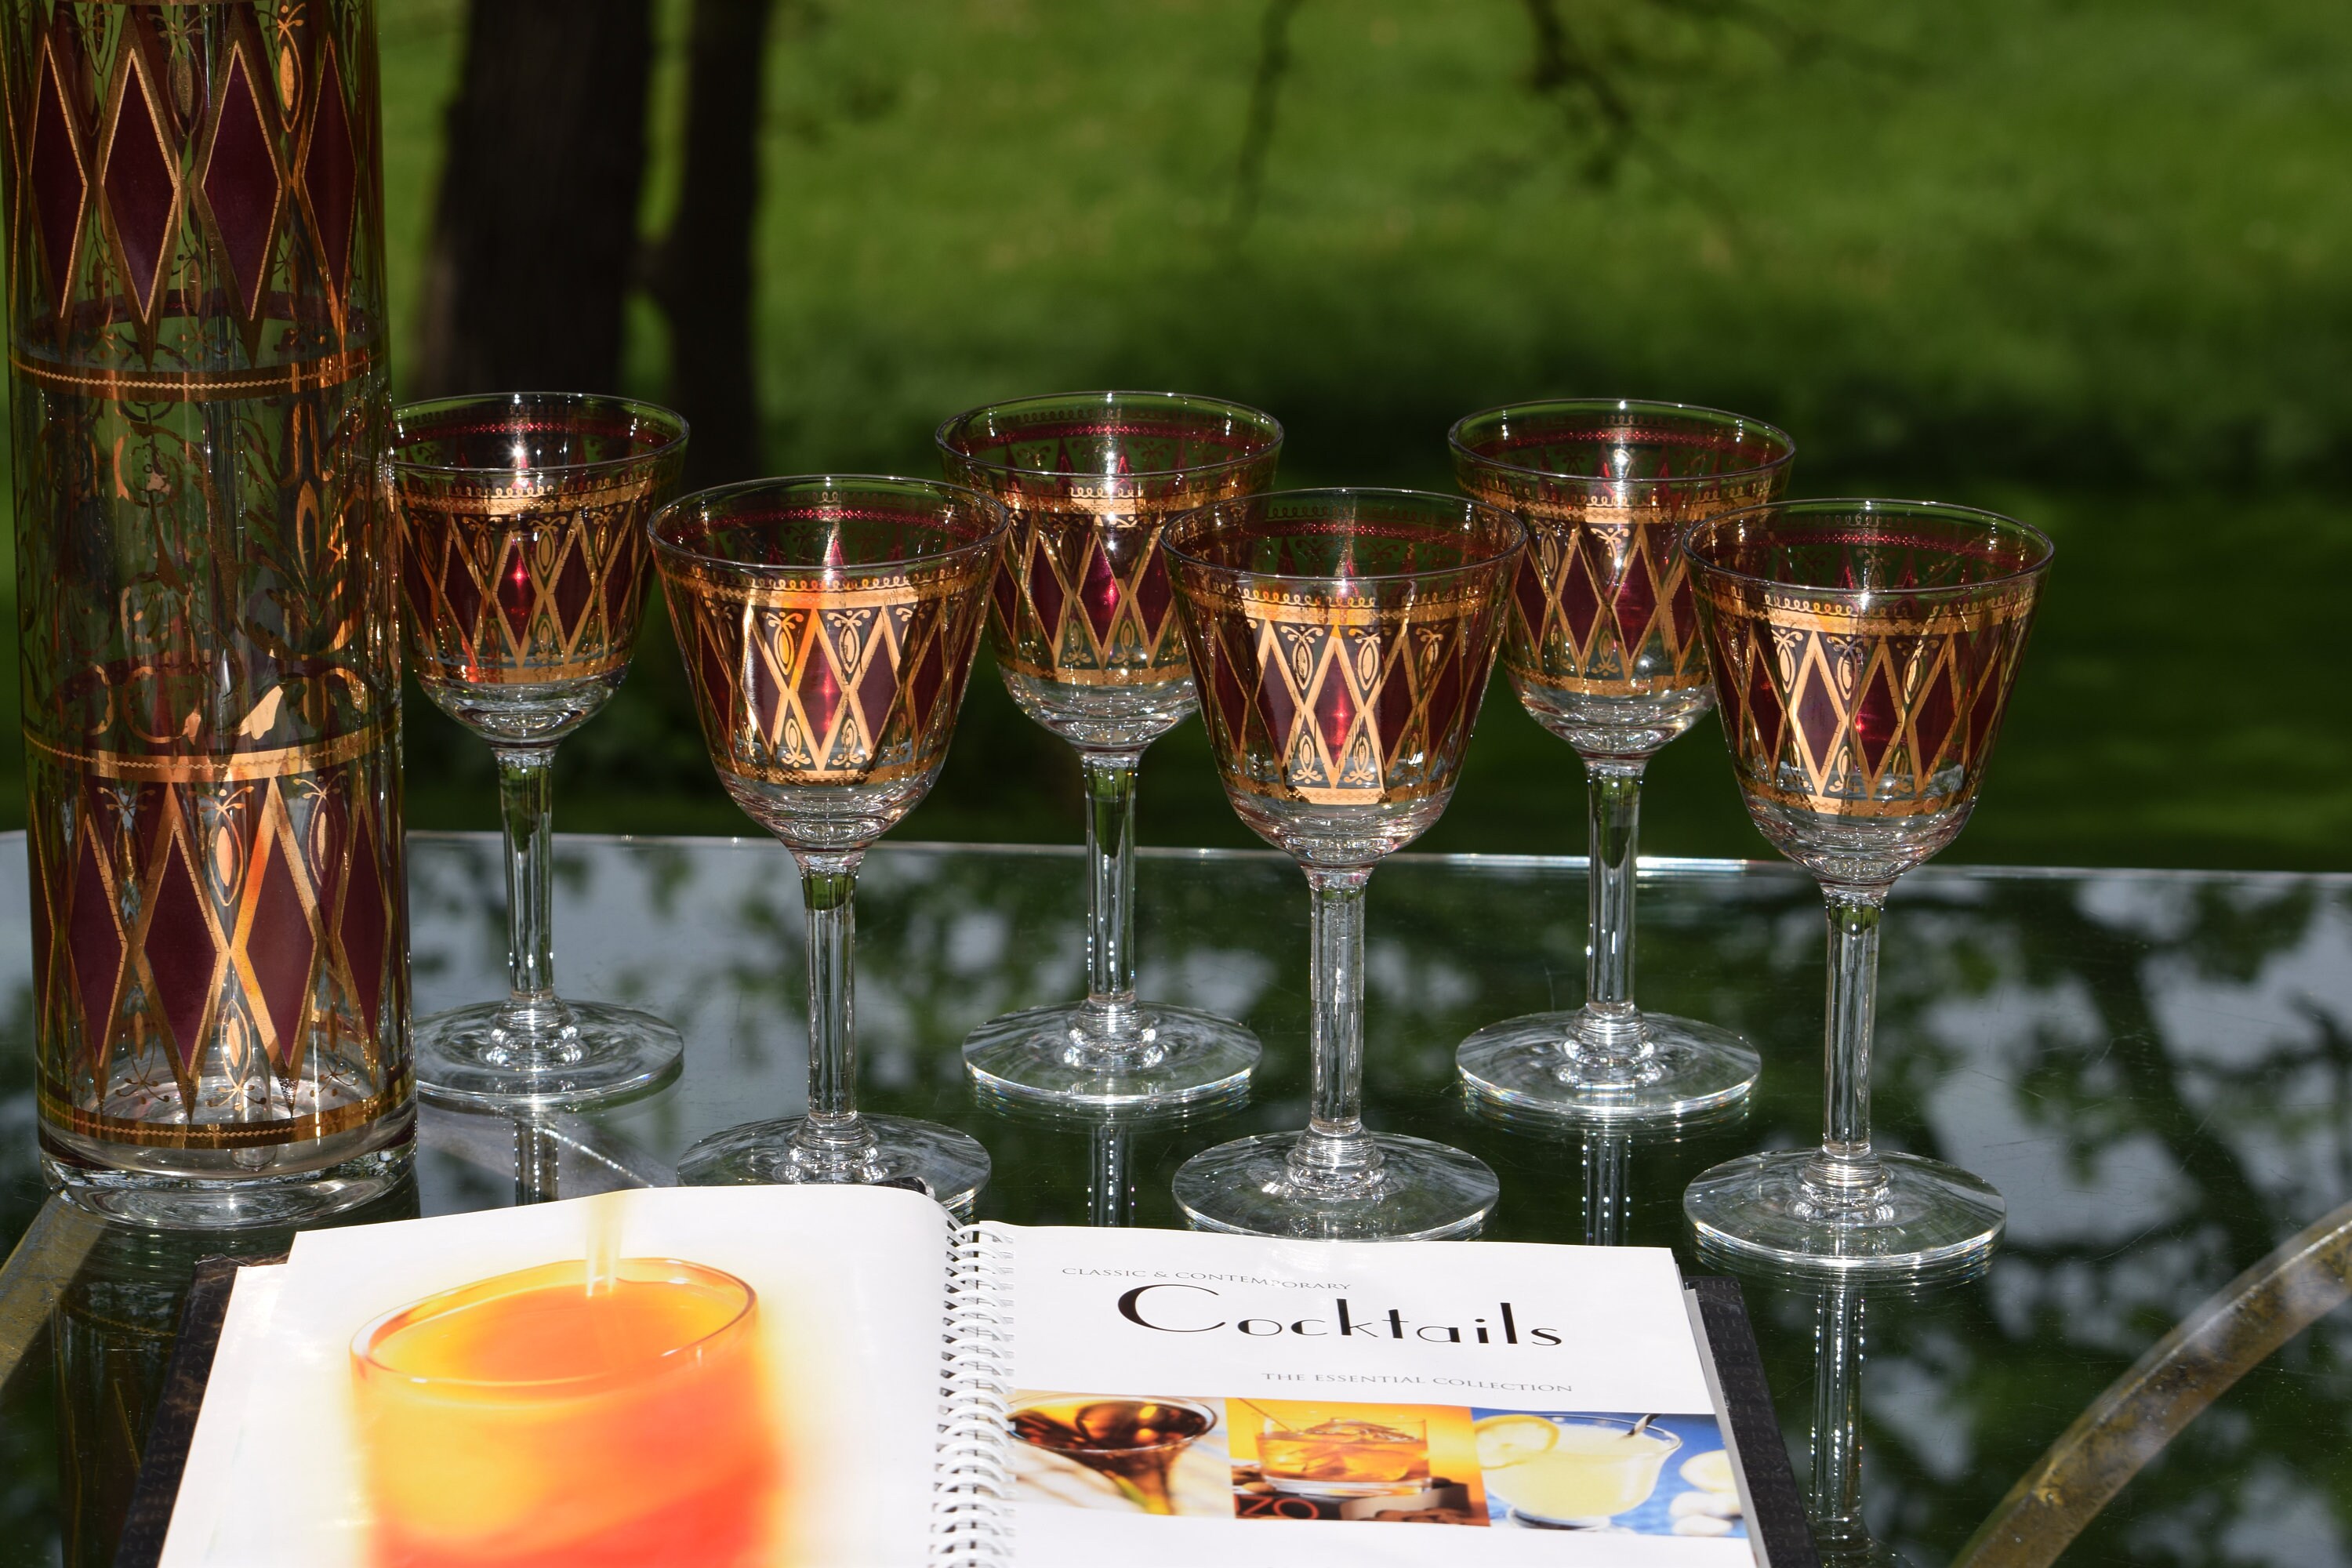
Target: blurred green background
[[2085, 261]]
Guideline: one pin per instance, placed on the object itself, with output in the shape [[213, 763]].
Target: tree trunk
[[535, 237], [702, 273]]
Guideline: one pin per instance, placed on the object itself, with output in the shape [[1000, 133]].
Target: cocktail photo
[[1640, 1475], [1389, 1463], [1128, 1453]]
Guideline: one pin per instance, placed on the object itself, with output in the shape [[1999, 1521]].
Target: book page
[[1185, 1398], [756, 1383]]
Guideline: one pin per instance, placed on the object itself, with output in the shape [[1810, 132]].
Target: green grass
[[2084, 261]]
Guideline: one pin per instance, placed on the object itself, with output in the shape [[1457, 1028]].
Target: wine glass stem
[[830, 1132], [1611, 1025], [1846, 1173], [1110, 1184], [527, 805], [1605, 1197], [1110, 878], [1835, 1503], [1335, 1153]]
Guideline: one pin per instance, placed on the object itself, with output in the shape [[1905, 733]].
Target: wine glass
[[522, 520], [1087, 646], [827, 625], [1863, 650], [1344, 638], [1603, 648]]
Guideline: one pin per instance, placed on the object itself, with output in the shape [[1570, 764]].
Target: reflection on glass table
[[2155, 1071]]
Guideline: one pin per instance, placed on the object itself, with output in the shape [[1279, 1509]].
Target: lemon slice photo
[[1709, 1472], [1506, 1440]]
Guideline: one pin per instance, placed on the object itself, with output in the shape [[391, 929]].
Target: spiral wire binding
[[972, 1503]]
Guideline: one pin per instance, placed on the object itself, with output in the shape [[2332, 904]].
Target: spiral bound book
[[839, 1375]]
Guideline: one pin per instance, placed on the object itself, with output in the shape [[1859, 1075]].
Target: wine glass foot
[[1423, 1192], [497, 1057], [1760, 1211], [1078, 1055], [920, 1156], [1527, 1067]]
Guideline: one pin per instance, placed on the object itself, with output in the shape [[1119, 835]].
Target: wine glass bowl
[[1085, 637], [1865, 651], [524, 553], [1082, 633], [1343, 640], [827, 625], [522, 521], [1603, 648]]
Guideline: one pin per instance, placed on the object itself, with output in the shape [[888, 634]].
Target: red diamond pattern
[[1334, 709], [1818, 719], [1528, 588], [364, 926], [1637, 601], [717, 687], [465, 599], [59, 186], [280, 946], [514, 591], [1984, 713], [330, 176], [1152, 597], [141, 185], [575, 589], [182, 954], [1682, 613], [621, 581], [1045, 588], [1877, 720], [1933, 722], [1579, 603], [878, 689], [1276, 706], [1392, 712], [820, 693], [1231, 702], [1098, 594], [764, 684], [96, 942], [930, 676], [1006, 594], [1764, 701], [240, 184], [1445, 703]]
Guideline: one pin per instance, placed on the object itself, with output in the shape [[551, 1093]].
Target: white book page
[[837, 1372], [1363, 1403], [213, 1452]]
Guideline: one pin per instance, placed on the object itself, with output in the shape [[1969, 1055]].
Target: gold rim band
[[1844, 805], [235, 768], [197, 386], [1153, 675], [214, 1134]]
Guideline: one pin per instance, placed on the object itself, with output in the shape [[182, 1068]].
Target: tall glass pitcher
[[205, 575]]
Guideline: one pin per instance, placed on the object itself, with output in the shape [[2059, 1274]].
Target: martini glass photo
[[1601, 643], [522, 519], [1087, 644], [1864, 651], [1343, 639], [827, 625]]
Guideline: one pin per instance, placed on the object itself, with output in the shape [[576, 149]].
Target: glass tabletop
[[2154, 1068]]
